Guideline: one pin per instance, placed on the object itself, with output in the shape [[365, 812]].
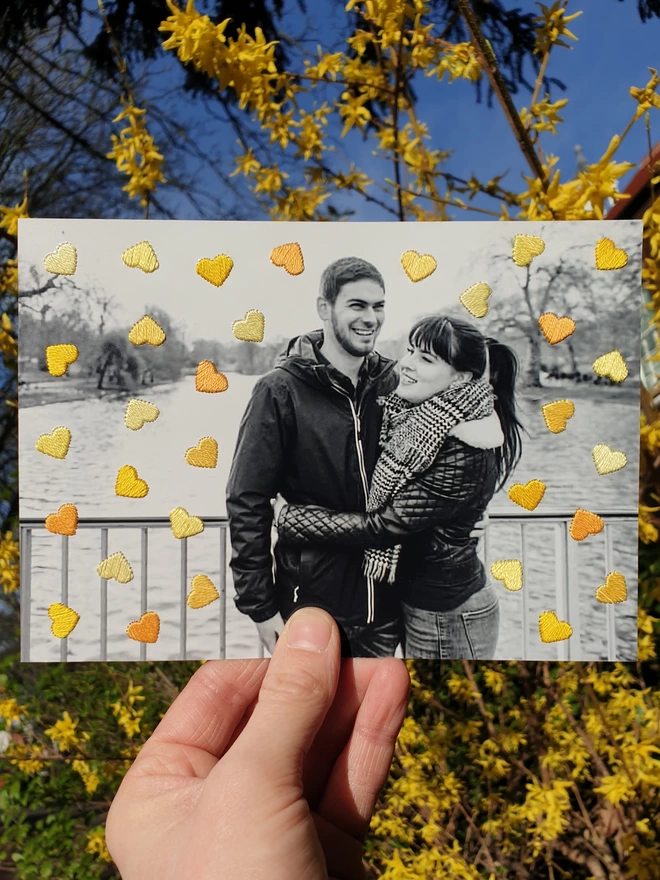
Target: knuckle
[[296, 686]]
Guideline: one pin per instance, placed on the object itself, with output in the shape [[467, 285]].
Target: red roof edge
[[637, 188]]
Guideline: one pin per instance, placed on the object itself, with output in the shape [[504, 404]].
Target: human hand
[[263, 768], [279, 504], [269, 631]]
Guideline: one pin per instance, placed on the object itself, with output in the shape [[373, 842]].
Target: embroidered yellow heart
[[585, 523], [527, 495], [551, 629], [554, 328], [475, 299], [64, 522], [510, 572], [611, 365], [55, 444], [203, 592], [138, 412], [251, 328], [525, 248], [614, 590], [115, 567], [146, 330], [64, 619], [141, 256], [145, 629], [128, 484], [290, 257], [63, 260], [209, 380], [205, 454], [215, 271], [557, 413], [608, 460], [609, 256], [60, 357], [418, 266], [184, 525]]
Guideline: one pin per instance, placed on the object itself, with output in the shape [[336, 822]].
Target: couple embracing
[[385, 470]]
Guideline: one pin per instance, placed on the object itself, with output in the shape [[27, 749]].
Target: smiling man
[[310, 433]]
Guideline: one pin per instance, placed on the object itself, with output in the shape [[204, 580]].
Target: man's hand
[[269, 630]]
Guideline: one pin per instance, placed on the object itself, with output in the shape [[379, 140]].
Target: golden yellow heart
[[611, 365], [184, 525], [475, 299], [64, 619], [64, 522], [614, 590], [551, 629], [585, 523], [56, 443], [208, 379], [510, 572], [145, 629], [215, 271], [555, 328], [251, 328], [146, 330], [203, 592], [138, 412], [525, 248], [141, 256], [557, 413], [608, 460], [527, 495], [63, 260], [117, 567], [290, 256], [205, 454], [418, 266], [128, 484], [59, 357], [609, 256]]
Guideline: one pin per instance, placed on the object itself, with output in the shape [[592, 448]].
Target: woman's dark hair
[[462, 346]]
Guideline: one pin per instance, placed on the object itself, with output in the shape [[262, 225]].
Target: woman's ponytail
[[503, 374]]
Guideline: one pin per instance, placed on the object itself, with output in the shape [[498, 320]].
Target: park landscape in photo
[[140, 343]]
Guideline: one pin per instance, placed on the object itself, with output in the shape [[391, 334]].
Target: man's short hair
[[343, 272]]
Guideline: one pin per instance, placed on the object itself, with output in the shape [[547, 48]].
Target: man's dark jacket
[[312, 436]]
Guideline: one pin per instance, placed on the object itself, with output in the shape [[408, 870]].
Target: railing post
[[525, 600], [104, 598], [609, 608], [223, 591], [25, 561], [184, 590], [64, 647], [144, 571], [561, 606], [572, 587]]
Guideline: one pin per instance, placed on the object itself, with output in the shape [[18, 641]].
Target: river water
[[101, 444]]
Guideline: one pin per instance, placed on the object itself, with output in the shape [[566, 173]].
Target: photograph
[[430, 431]]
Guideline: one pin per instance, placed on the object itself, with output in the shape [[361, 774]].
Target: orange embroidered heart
[[551, 629], [145, 629], [585, 523], [205, 454], [208, 379], [555, 328], [527, 495], [64, 522], [614, 590], [556, 414], [290, 257]]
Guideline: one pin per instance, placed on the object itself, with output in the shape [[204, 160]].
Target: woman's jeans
[[469, 632]]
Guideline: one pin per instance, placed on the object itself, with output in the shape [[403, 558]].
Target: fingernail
[[309, 630]]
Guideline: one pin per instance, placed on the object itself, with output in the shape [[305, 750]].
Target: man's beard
[[346, 342]]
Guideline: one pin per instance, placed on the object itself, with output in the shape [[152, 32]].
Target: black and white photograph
[[429, 430]]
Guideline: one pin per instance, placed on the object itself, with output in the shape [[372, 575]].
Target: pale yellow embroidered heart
[[525, 248], [551, 629], [418, 266], [64, 522], [138, 412], [63, 260], [290, 257], [145, 629], [527, 495], [146, 330], [557, 413], [60, 357], [64, 619], [128, 484], [611, 365], [203, 592], [141, 256], [614, 590], [116, 567], [608, 460], [510, 572], [184, 525], [209, 380], [205, 454], [55, 444], [475, 299], [554, 328], [585, 523], [609, 256], [215, 271], [251, 328]]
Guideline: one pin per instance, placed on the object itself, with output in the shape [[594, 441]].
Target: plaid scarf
[[411, 437]]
